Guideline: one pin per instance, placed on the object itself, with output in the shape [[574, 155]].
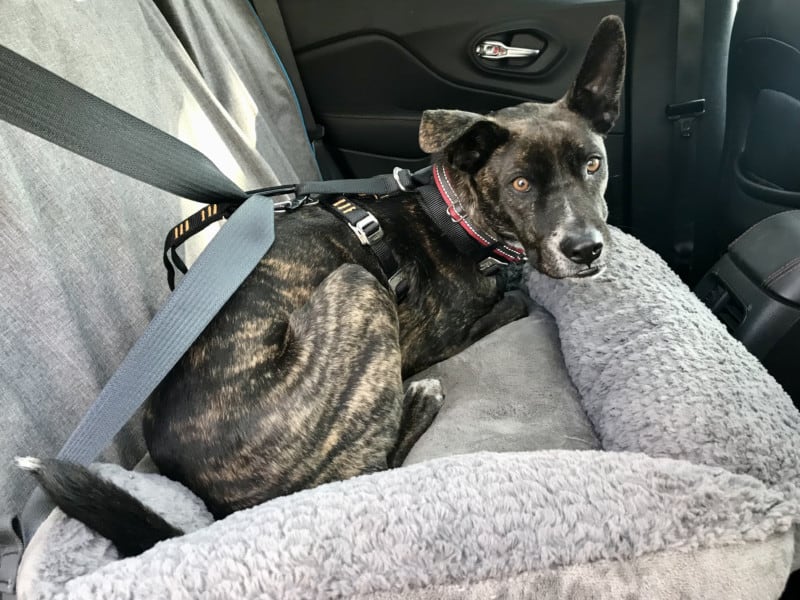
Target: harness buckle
[[399, 285], [490, 265], [367, 230]]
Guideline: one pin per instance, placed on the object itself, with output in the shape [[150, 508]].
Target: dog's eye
[[521, 184], [593, 165]]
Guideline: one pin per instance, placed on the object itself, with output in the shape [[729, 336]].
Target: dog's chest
[[436, 322]]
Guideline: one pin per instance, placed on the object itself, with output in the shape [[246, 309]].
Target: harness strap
[[401, 180], [370, 233], [438, 199], [186, 229]]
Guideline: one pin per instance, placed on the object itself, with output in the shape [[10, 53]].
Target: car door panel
[[371, 67]]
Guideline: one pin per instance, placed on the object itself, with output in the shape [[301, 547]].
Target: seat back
[[82, 244], [760, 173]]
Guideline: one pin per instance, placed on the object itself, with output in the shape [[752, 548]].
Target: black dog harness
[[345, 199], [370, 233]]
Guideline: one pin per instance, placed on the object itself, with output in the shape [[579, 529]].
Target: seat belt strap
[[50, 107], [688, 107], [42, 103], [370, 233], [216, 274]]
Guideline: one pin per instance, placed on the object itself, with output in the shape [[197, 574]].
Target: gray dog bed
[[695, 494]]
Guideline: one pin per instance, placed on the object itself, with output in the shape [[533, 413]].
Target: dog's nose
[[583, 248]]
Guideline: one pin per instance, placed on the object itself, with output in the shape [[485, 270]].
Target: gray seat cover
[[81, 244]]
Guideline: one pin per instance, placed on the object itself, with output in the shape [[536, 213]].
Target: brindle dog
[[299, 379]]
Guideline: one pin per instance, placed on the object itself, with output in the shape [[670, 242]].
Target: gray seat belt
[[688, 107], [50, 107]]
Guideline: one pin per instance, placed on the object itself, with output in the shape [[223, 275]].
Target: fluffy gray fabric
[[490, 525], [655, 371], [698, 575], [659, 374], [481, 520]]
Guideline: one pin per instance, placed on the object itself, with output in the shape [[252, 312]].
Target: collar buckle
[[367, 230]]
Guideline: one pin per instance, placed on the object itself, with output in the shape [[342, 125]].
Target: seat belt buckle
[[686, 113], [316, 133], [10, 557]]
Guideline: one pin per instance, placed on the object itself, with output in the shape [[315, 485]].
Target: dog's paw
[[429, 390]]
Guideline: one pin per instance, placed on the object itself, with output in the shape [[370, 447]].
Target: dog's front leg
[[513, 306], [421, 404]]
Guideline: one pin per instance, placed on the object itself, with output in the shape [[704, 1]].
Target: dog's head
[[536, 173]]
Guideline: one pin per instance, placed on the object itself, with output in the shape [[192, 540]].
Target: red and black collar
[[440, 202]]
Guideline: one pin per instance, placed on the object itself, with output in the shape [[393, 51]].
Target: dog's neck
[[455, 210], [466, 194]]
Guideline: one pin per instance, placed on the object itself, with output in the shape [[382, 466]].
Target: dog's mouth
[[563, 269], [549, 260], [589, 271]]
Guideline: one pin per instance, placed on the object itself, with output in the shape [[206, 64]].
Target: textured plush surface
[[656, 373], [698, 575], [659, 374], [509, 392], [476, 520]]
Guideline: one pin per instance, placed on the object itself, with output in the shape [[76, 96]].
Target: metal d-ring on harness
[[339, 197]]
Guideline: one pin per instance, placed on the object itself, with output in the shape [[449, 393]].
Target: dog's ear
[[466, 139], [595, 95]]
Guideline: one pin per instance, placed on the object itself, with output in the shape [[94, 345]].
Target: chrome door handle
[[493, 50]]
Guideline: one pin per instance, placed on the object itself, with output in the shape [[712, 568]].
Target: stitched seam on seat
[[777, 274], [786, 272]]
